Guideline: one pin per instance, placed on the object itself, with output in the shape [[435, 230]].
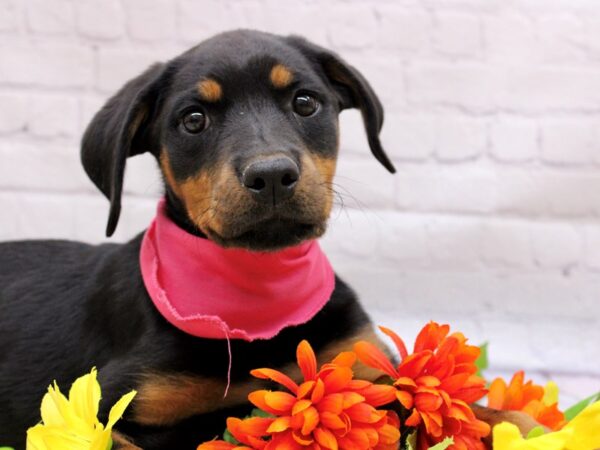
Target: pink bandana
[[212, 292]]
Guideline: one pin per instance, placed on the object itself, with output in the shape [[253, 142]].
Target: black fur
[[66, 306]]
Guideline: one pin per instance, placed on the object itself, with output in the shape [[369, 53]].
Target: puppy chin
[[270, 235]]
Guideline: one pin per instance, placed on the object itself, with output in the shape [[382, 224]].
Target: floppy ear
[[353, 91], [117, 131]]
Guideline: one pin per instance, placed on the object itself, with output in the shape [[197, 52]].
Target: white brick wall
[[493, 111]]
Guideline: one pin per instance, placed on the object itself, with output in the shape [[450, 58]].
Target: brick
[[143, 176], [104, 20], [117, 66], [351, 234], [49, 167], [88, 107], [352, 133], [510, 37], [592, 36], [469, 86], [200, 19], [549, 193], [56, 17], [363, 183], [556, 245], [277, 18], [446, 189], [150, 21], [53, 115], [514, 140], [402, 30], [592, 246], [570, 141], [136, 215], [547, 346], [352, 27], [454, 243], [46, 64], [507, 243], [409, 137], [526, 89], [8, 15], [561, 39], [457, 35], [35, 216], [13, 112], [403, 239], [383, 74], [460, 139]]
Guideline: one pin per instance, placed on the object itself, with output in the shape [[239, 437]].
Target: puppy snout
[[271, 181]]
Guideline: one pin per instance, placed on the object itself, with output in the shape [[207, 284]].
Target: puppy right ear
[[119, 130]]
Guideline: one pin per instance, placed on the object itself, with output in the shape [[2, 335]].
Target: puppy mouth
[[271, 234]]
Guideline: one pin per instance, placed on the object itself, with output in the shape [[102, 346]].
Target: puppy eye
[[305, 105], [194, 122]]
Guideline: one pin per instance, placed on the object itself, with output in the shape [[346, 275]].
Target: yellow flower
[[582, 433], [73, 423]]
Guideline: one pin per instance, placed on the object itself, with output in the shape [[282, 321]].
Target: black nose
[[271, 181]]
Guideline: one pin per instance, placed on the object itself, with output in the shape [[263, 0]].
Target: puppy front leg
[[120, 442]]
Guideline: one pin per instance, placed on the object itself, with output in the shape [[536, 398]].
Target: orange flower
[[329, 410], [526, 397], [435, 384]]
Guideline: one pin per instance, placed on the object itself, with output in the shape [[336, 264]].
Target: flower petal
[[85, 397], [280, 401], [345, 359], [337, 379], [307, 361], [378, 394], [311, 420], [326, 438], [398, 342], [117, 411], [215, 445], [318, 391], [277, 377], [430, 336], [496, 394], [373, 357], [280, 424], [405, 398]]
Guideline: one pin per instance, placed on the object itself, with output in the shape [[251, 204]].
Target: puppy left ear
[[353, 91], [117, 131]]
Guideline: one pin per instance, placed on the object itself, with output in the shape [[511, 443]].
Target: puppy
[[244, 128]]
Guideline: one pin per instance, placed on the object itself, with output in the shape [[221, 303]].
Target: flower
[[435, 384], [582, 433], [534, 400], [73, 423], [328, 410]]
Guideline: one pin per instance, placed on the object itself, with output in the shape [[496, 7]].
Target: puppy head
[[245, 130]]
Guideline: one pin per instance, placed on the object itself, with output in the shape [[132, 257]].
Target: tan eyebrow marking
[[281, 76], [210, 90]]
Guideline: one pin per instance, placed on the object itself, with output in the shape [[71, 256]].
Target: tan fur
[[281, 76], [210, 90], [165, 165], [165, 399], [120, 442]]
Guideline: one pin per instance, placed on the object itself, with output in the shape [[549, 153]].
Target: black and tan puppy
[[244, 127]]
